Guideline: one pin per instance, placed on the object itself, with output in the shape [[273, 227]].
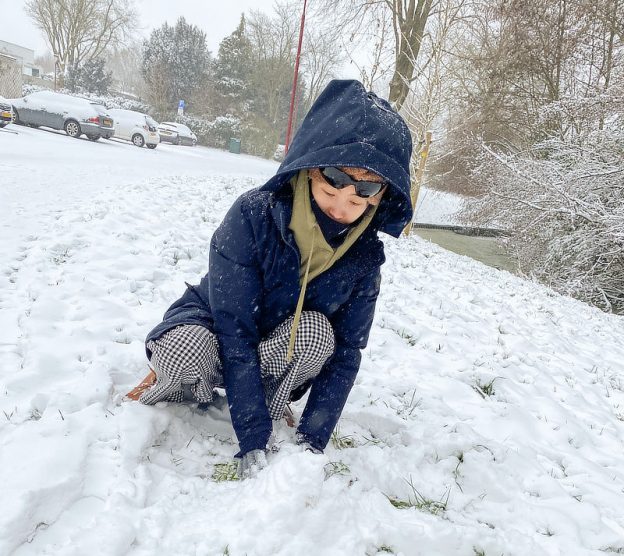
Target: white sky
[[217, 18]]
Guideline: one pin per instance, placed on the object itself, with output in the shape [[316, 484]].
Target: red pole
[[294, 87]]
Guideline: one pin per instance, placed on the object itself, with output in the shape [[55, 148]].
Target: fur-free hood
[[349, 126]]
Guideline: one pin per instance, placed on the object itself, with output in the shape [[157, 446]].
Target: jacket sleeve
[[351, 324], [234, 294]]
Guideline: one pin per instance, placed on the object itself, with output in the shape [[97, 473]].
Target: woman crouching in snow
[[294, 274]]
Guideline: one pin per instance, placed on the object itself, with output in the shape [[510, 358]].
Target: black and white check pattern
[[314, 344], [187, 366]]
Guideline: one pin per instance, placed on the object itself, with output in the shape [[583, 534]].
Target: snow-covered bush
[[259, 137], [213, 132], [563, 202]]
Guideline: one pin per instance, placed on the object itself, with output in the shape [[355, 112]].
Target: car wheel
[[138, 140], [3, 124], [151, 146], [72, 128], [93, 137], [194, 143]]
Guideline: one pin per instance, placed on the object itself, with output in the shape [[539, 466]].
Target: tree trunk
[[409, 25]]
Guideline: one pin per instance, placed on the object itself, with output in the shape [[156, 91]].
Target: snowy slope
[[438, 207], [492, 406]]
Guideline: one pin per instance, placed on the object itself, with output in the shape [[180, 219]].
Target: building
[[25, 57]]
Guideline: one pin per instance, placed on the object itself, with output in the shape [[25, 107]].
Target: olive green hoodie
[[316, 254]]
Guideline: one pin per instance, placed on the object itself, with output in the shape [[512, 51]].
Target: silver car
[[75, 115], [178, 134]]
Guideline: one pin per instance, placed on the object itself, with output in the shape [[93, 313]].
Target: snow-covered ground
[[438, 207], [488, 416]]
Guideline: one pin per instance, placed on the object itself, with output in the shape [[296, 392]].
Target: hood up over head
[[348, 126]]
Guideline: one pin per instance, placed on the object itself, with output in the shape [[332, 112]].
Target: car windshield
[[151, 121]]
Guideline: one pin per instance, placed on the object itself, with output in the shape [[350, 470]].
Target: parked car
[[178, 134], [73, 114], [6, 112], [136, 127]]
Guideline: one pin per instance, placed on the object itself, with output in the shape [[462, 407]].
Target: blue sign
[[181, 104]]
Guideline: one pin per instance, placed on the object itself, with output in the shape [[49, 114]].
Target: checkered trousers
[[187, 366]]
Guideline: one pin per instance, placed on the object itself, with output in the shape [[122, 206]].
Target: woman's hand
[[251, 463]]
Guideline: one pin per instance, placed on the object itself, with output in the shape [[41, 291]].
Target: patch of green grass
[[406, 408], [484, 389], [405, 335], [456, 473], [341, 442], [225, 472], [373, 440], [420, 502], [336, 468]]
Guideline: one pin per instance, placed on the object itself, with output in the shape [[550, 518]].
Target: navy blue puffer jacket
[[253, 280]]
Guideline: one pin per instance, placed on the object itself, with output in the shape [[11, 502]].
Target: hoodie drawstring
[[295, 324]]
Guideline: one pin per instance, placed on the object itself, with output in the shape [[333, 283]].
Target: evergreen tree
[[175, 63], [94, 78], [234, 66], [90, 76], [72, 77]]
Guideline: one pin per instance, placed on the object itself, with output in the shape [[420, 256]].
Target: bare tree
[[430, 96], [407, 19], [602, 48], [273, 40], [45, 62], [319, 60], [506, 62], [79, 30], [408, 23], [125, 63]]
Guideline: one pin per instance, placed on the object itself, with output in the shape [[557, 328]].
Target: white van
[[136, 127]]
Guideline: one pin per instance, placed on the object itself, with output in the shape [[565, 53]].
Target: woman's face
[[343, 205]]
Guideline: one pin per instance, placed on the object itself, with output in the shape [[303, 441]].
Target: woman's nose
[[337, 212]]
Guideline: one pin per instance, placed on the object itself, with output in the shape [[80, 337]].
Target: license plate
[[108, 122]]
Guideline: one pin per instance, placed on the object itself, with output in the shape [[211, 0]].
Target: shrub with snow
[[213, 132], [562, 202]]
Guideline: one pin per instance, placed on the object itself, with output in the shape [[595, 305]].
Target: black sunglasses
[[339, 180]]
